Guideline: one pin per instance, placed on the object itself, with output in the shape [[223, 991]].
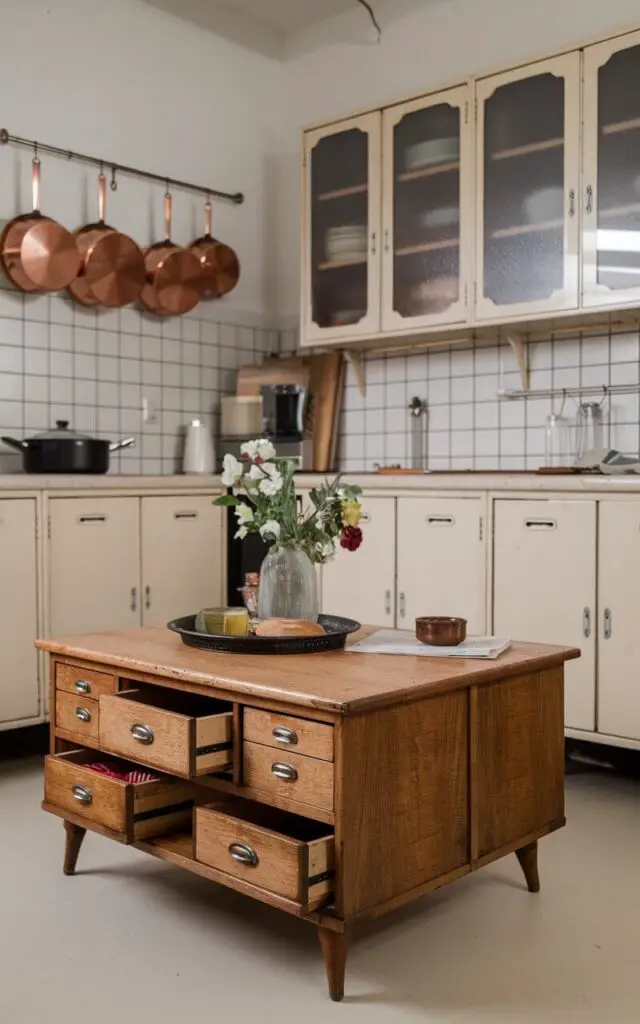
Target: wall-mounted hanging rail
[[68, 154], [603, 391]]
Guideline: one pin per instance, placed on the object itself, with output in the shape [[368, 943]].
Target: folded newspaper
[[395, 641]]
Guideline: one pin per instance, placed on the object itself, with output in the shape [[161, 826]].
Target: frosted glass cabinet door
[[611, 198], [528, 180], [341, 233], [426, 211]]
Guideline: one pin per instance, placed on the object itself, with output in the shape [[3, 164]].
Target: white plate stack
[[347, 243]]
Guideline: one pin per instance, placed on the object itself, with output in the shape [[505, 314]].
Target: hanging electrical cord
[[372, 14]]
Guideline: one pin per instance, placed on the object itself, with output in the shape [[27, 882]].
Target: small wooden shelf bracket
[[521, 352], [357, 361]]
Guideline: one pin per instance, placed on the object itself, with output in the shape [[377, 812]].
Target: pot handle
[[20, 446], [207, 218], [127, 442], [167, 215]]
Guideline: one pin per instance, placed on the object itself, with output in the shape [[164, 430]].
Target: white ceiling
[[262, 25]]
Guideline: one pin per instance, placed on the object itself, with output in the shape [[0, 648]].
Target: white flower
[[241, 533], [272, 483], [244, 513], [256, 473], [270, 529], [261, 449], [232, 470], [249, 448]]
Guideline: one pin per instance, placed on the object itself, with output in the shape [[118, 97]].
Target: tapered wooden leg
[[528, 857], [334, 949], [73, 842]]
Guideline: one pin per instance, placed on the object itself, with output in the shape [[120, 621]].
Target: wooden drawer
[[293, 776], [77, 718], [135, 810], [287, 733], [180, 733], [84, 681], [274, 850]]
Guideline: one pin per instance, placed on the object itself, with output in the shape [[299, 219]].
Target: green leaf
[[227, 499]]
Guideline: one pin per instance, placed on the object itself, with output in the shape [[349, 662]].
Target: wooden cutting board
[[325, 385], [295, 370]]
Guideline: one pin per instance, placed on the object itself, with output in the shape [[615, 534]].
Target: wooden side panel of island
[[431, 790]]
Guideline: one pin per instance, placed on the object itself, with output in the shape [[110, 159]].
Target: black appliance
[[283, 410], [243, 556]]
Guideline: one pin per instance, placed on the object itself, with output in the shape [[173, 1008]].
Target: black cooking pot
[[63, 451]]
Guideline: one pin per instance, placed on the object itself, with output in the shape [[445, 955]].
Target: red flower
[[258, 460], [351, 538]]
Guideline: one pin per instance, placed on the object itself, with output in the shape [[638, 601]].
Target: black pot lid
[[61, 432]]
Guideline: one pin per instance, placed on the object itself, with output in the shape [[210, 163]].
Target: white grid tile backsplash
[[469, 427], [60, 361]]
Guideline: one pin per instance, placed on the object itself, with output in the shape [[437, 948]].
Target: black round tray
[[336, 629]]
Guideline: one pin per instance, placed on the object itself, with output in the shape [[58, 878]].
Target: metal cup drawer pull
[[82, 794], [284, 735], [142, 733], [82, 686], [83, 714], [284, 771], [244, 854]]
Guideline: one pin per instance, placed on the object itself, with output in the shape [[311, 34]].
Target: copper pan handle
[[102, 197], [167, 215], [35, 183], [207, 218]]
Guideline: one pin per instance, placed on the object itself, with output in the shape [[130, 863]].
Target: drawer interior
[[293, 826], [191, 705]]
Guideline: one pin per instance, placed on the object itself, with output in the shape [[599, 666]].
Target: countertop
[[333, 681], [104, 482]]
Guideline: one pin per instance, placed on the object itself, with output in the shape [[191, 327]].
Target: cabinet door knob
[[83, 714], [403, 606], [284, 735], [82, 794], [589, 204], [82, 686], [134, 598], [284, 771], [586, 623], [607, 624], [244, 854], [142, 733], [147, 596], [572, 203]]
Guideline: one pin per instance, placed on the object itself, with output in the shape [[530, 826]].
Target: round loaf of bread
[[289, 627]]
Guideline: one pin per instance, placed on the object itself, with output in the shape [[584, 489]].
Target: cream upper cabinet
[[19, 688], [183, 564], [611, 194], [619, 637], [528, 180], [441, 560], [544, 587], [427, 202], [341, 230], [94, 564], [361, 584]]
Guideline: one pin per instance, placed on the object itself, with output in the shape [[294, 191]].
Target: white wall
[[119, 78], [441, 43]]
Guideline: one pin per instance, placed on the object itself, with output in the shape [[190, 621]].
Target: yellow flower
[[351, 512]]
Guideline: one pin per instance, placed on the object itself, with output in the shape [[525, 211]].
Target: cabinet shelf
[[337, 264], [339, 193], [428, 172], [531, 147], [621, 126], [411, 250], [620, 211], [527, 229]]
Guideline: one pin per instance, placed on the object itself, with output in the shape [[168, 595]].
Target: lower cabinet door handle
[[244, 854], [82, 686], [387, 602], [608, 625], [586, 623], [82, 794], [284, 735], [142, 733], [83, 714], [284, 771]]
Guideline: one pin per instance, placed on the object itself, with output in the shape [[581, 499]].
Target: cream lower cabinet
[[361, 584], [94, 564], [441, 560], [19, 684], [181, 556], [544, 587], [618, 633]]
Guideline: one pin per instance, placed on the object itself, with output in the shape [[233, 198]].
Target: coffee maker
[[285, 409]]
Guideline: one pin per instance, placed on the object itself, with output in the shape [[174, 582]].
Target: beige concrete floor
[[132, 940]]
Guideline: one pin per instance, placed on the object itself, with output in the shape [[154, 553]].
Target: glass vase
[[288, 585]]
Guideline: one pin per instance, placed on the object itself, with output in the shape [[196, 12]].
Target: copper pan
[[112, 270], [219, 266], [172, 286], [37, 253]]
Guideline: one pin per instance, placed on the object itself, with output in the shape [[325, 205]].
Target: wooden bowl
[[441, 631]]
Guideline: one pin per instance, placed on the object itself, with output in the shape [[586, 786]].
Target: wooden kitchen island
[[333, 786]]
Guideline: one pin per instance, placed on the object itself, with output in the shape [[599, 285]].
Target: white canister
[[199, 456]]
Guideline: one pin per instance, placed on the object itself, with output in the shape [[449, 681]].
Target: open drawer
[[275, 850], [180, 733], [136, 810]]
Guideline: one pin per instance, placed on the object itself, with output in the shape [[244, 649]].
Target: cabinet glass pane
[[340, 228], [618, 194], [524, 191], [426, 211]]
